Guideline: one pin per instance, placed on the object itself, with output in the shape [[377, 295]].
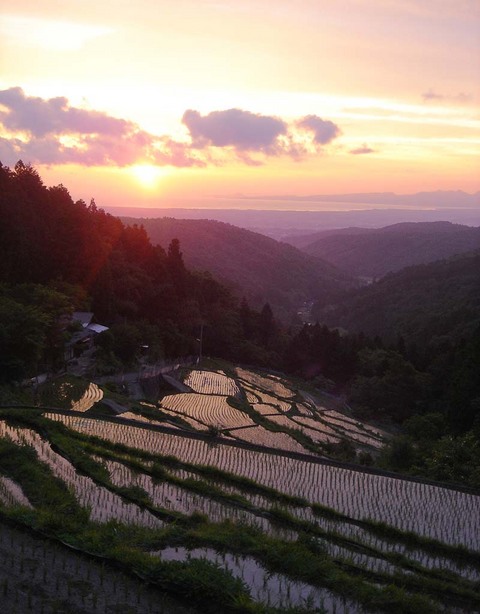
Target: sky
[[167, 103]]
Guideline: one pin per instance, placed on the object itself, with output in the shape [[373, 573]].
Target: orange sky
[[157, 101]]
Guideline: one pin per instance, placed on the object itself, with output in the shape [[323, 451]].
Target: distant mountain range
[[376, 252], [255, 266]]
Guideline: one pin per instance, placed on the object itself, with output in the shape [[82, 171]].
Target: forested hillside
[[424, 364], [424, 304], [376, 252], [255, 266], [59, 256]]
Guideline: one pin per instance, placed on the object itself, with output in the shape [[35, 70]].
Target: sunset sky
[[169, 102]]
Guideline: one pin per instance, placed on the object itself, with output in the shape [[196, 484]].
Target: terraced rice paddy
[[268, 384], [310, 423], [340, 421], [103, 505], [175, 498], [270, 395], [267, 408], [274, 402], [92, 395], [271, 519], [209, 382], [247, 490], [262, 437], [425, 509], [128, 415], [207, 409]]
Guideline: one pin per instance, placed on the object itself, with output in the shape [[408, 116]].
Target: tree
[[398, 454], [32, 335], [176, 268], [388, 384]]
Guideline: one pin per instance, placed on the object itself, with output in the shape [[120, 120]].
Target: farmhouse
[[82, 339]]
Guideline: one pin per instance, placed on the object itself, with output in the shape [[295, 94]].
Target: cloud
[[51, 131], [247, 133], [174, 153], [324, 131], [431, 96], [242, 130], [40, 117], [364, 149]]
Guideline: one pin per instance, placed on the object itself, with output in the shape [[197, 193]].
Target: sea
[[281, 218]]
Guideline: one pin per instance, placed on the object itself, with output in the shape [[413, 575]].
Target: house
[[82, 339]]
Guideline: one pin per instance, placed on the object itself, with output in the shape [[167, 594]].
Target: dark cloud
[[324, 131], [364, 149], [235, 128]]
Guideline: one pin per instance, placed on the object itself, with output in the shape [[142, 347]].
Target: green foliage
[[204, 582], [33, 331], [463, 386], [387, 384], [134, 493], [455, 459], [47, 237], [126, 342], [423, 303], [61, 392], [15, 395], [398, 455], [344, 450], [425, 428]]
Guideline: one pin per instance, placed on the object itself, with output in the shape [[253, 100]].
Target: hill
[[256, 266], [376, 252], [422, 303]]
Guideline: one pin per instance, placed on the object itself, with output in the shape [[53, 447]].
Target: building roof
[[97, 328], [84, 317]]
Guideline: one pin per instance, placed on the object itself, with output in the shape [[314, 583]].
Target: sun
[[148, 175]]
